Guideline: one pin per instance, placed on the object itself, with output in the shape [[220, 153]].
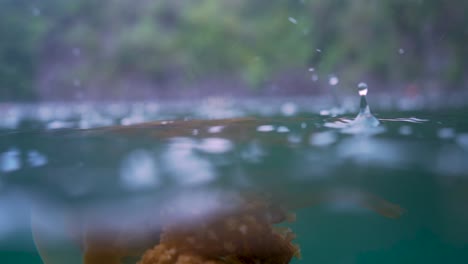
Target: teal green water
[[416, 160]]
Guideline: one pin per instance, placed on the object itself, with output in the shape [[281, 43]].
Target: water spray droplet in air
[[365, 116], [292, 20], [333, 80]]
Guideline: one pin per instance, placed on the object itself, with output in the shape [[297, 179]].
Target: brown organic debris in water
[[248, 236]]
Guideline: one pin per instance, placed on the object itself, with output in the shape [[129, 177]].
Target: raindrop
[[318, 50], [311, 69], [292, 20], [303, 125], [365, 117], [333, 80], [401, 51], [363, 88]]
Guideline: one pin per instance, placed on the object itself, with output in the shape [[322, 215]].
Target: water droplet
[[462, 140], [265, 128], [292, 20], [303, 125], [405, 130], [311, 69], [314, 77], [36, 11], [186, 167], [364, 119], [139, 170], [289, 109], [253, 153], [36, 159], [333, 80], [294, 138], [215, 145], [77, 83], [59, 125], [322, 139], [10, 160], [282, 129], [318, 50], [362, 88], [401, 51], [215, 129], [76, 52], [446, 133]]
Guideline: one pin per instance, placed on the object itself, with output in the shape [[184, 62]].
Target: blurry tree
[[53, 43]]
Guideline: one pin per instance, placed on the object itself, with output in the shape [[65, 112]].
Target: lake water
[[395, 193]]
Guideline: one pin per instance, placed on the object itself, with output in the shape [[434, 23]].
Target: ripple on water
[[414, 120]]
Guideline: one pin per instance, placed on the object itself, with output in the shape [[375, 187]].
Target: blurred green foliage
[[159, 41]]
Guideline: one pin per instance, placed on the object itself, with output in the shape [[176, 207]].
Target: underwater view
[[233, 132], [259, 181]]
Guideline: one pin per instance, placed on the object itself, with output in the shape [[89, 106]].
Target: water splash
[[364, 123]]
